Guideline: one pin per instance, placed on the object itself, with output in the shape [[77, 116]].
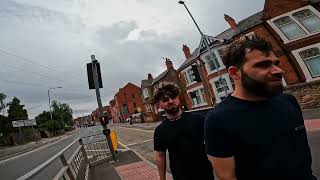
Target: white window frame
[[186, 75], [215, 51], [198, 88], [221, 94], [146, 92], [302, 64], [149, 108], [290, 14]]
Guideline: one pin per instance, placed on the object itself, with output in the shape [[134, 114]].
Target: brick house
[[114, 110], [127, 101], [200, 73], [105, 110], [291, 26], [148, 86], [147, 99]]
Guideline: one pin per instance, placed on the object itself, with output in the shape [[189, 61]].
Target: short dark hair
[[170, 90], [235, 53]]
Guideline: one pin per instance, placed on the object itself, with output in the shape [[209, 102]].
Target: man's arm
[[224, 168], [161, 164]]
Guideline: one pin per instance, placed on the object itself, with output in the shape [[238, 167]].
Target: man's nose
[[277, 70]]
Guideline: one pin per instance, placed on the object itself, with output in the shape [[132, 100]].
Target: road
[[139, 138], [17, 166]]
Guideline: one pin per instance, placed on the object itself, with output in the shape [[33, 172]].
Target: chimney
[[150, 76], [169, 63], [186, 51], [231, 22]]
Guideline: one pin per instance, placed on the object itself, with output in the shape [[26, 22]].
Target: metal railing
[[97, 148], [89, 151]]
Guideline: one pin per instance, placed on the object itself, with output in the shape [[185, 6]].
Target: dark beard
[[172, 110], [258, 88]]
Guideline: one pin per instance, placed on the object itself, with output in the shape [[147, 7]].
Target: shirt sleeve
[[218, 142], [159, 144]]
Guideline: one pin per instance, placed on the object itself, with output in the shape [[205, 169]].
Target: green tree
[[61, 117], [2, 103], [5, 126], [62, 113], [16, 110]]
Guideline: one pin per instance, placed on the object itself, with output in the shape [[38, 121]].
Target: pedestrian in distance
[[182, 134], [257, 132]]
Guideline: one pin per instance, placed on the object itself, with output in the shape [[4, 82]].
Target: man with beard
[[182, 134], [258, 132]]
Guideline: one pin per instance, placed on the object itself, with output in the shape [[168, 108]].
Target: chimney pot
[[231, 21], [186, 51]]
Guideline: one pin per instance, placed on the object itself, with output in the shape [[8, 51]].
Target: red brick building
[[147, 98], [127, 101], [293, 28], [115, 113], [105, 110]]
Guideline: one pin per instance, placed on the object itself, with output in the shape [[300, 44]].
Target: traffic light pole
[[106, 131]]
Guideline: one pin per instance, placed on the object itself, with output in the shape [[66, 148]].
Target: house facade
[[293, 29]]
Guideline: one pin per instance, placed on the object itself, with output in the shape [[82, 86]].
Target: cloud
[[129, 38]]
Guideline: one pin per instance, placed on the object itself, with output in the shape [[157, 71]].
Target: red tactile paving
[[312, 124], [138, 171]]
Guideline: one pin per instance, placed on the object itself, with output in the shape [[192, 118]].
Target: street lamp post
[[50, 101], [208, 48]]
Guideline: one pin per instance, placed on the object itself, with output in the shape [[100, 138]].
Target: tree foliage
[[2, 102], [16, 111], [61, 117]]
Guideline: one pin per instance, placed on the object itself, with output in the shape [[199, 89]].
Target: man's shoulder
[[192, 115]]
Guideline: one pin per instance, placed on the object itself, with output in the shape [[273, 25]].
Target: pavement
[[130, 166]]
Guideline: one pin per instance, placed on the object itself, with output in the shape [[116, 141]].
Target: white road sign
[[19, 123], [30, 122]]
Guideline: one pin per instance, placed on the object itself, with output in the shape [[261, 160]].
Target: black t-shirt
[[184, 139], [267, 138]]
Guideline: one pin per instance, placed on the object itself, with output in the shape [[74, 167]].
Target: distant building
[[127, 102], [105, 110]]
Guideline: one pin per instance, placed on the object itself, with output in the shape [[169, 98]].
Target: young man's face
[[261, 74], [170, 105]]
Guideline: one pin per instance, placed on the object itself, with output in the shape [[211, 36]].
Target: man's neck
[[245, 95], [174, 116]]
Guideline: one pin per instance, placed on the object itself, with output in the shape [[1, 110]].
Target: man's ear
[[234, 72]]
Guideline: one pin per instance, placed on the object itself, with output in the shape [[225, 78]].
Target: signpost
[[21, 123]]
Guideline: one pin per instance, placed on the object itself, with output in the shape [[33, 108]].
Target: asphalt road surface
[[18, 166]]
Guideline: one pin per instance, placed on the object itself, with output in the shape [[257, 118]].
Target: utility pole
[[106, 131]]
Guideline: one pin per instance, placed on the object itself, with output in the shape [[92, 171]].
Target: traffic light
[[104, 119], [90, 75]]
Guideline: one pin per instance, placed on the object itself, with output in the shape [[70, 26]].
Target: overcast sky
[[46, 43]]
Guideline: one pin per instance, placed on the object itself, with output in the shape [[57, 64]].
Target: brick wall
[[307, 94], [130, 95]]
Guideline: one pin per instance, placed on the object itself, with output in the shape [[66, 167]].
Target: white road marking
[[29, 152], [142, 130], [91, 138], [139, 142]]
